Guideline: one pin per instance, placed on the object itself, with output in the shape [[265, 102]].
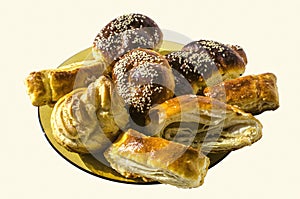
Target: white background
[[37, 35]]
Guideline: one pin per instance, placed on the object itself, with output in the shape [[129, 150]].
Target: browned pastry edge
[[252, 93], [203, 122], [45, 87], [168, 162], [38, 88], [83, 121]]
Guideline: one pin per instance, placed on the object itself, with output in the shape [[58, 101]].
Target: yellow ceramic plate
[[96, 164]]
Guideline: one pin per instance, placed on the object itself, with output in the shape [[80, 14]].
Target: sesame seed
[[135, 75], [125, 33], [192, 65]]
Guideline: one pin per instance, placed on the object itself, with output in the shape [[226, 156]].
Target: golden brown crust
[[165, 161], [205, 123], [83, 120], [61, 82], [38, 88], [253, 93], [45, 87]]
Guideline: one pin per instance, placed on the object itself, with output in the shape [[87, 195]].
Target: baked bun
[[206, 62], [82, 121], [239, 50], [143, 78], [125, 33], [253, 93], [227, 57], [197, 68], [156, 159], [205, 123]]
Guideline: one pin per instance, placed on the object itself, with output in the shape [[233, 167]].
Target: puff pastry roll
[[45, 87], [154, 158], [205, 123], [253, 93], [85, 120]]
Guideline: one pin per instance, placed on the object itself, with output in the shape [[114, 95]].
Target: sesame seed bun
[[125, 33], [206, 63], [143, 78]]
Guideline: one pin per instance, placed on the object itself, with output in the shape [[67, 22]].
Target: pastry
[[45, 87], [206, 62], [83, 121], [153, 158], [203, 122], [253, 93], [143, 78], [125, 33], [239, 50], [198, 69], [231, 57], [137, 107]]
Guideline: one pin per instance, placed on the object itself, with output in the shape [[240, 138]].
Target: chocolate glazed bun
[[207, 62], [240, 51], [196, 68], [143, 78], [227, 57], [125, 33]]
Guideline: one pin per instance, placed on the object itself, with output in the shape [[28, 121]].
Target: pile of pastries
[[155, 115]]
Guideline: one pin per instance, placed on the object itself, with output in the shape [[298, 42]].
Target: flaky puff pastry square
[[157, 159], [252, 94]]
